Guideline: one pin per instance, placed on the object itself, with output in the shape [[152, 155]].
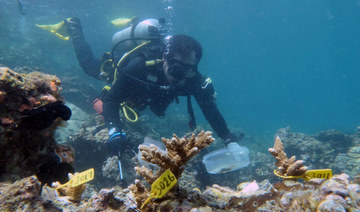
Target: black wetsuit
[[139, 95]]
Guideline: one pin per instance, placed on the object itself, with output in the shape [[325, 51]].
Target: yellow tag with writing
[[83, 177], [161, 186], [309, 174], [80, 178], [317, 173]]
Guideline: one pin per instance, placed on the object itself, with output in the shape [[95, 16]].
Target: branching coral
[[287, 167], [179, 152]]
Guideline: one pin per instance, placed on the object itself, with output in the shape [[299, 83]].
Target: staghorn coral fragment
[[294, 168], [146, 173], [140, 192], [286, 167], [179, 152]]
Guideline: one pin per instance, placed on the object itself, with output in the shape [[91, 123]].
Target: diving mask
[[181, 70]]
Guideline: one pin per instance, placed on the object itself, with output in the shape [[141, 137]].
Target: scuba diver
[[152, 71]]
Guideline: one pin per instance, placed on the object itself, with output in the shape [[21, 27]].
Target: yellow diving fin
[[123, 22], [59, 30]]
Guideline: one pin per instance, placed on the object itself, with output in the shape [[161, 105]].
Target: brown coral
[[287, 167], [179, 152]]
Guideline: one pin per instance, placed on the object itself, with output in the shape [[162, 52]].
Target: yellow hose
[[127, 54], [125, 108]]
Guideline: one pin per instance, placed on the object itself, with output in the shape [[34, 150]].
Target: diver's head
[[181, 60]]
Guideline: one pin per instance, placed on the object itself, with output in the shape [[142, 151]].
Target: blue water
[[273, 63]]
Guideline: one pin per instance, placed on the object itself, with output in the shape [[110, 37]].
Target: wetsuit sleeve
[[119, 91], [87, 61], [205, 97], [83, 52]]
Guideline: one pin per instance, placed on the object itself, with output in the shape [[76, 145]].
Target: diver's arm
[[206, 100], [83, 52]]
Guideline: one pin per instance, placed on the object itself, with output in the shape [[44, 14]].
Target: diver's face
[[177, 69]]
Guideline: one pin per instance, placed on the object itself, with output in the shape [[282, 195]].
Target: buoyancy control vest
[[145, 36]]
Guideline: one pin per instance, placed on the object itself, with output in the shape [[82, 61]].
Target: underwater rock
[[110, 168], [24, 195], [80, 92], [187, 181], [23, 149], [330, 205], [320, 150], [73, 126], [349, 162]]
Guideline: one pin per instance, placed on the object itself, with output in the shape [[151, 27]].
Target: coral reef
[[22, 149], [317, 150], [90, 144], [179, 152], [338, 192], [330, 149], [286, 166], [316, 195], [23, 195]]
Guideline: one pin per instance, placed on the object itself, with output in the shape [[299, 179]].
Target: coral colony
[[22, 149]]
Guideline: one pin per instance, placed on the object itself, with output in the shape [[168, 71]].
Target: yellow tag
[[82, 177], [317, 173], [163, 184], [309, 174]]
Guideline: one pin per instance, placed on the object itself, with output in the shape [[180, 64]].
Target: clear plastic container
[[228, 159]]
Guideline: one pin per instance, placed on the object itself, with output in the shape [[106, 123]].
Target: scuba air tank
[[137, 32], [125, 42]]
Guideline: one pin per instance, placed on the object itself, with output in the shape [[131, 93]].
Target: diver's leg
[[86, 59]]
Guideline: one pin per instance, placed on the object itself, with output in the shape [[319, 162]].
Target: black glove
[[74, 28], [116, 139], [233, 138]]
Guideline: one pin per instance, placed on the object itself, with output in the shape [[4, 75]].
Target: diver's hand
[[74, 28], [115, 135], [116, 140]]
